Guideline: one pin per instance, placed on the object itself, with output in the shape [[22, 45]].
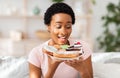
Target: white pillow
[[108, 70], [14, 67]]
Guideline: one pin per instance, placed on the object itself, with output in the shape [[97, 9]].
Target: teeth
[[61, 36]]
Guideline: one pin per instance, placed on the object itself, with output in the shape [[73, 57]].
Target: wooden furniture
[[83, 29]]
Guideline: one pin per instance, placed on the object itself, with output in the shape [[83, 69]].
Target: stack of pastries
[[68, 51]]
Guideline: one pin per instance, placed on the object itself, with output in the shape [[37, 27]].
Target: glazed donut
[[66, 54], [64, 51], [67, 51]]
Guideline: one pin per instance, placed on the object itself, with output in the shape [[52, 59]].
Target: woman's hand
[[83, 66], [52, 64], [51, 59], [76, 63]]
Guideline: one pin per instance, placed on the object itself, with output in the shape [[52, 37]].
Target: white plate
[[50, 48], [53, 49], [77, 58]]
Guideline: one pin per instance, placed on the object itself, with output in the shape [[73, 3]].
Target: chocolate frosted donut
[[67, 51]]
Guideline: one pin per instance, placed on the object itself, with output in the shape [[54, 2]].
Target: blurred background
[[22, 26]]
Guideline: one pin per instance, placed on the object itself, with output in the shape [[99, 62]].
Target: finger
[[70, 62], [56, 59], [80, 58], [47, 52]]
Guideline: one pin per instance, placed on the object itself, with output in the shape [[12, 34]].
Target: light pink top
[[39, 59]]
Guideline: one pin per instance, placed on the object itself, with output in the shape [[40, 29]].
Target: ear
[[48, 28]]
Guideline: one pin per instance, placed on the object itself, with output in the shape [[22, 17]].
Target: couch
[[105, 65]]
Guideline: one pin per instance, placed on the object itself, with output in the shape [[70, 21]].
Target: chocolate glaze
[[73, 49]]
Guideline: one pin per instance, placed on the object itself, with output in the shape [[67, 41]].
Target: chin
[[62, 43]]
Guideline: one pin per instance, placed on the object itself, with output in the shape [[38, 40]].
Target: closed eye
[[68, 26], [58, 26]]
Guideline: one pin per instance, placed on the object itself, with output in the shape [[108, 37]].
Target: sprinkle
[[64, 46], [78, 43]]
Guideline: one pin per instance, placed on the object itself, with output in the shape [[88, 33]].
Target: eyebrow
[[67, 22]]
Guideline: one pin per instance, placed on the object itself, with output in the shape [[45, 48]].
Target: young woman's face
[[60, 28]]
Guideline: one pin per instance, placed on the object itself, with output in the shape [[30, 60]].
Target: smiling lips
[[62, 39]]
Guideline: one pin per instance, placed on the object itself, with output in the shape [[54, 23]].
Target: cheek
[[70, 31], [54, 31]]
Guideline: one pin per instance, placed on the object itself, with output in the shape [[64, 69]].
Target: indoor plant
[[109, 40], [57, 0]]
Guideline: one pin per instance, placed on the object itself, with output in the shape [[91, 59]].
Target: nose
[[63, 31]]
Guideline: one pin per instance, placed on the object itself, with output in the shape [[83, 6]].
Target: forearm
[[86, 70], [34, 72], [86, 74], [51, 71]]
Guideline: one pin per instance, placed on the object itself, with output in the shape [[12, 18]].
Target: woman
[[59, 19]]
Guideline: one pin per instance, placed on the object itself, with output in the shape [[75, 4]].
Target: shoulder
[[35, 56], [38, 49], [87, 50]]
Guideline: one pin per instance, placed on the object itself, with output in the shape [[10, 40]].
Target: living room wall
[[8, 24]]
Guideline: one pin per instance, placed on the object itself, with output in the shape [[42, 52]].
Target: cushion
[[113, 60], [13, 67], [108, 70]]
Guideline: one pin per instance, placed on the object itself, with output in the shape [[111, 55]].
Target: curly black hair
[[58, 8]]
